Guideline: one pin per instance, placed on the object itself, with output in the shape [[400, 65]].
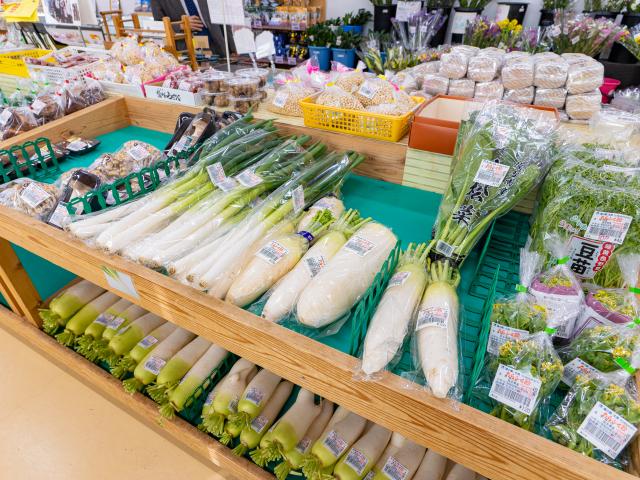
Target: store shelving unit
[[486, 444]]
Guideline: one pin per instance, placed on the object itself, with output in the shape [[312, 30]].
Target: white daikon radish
[[459, 472], [432, 467], [337, 288], [331, 445], [282, 300], [290, 429], [390, 323], [84, 317], [400, 459], [223, 400], [295, 456], [132, 313], [255, 397], [275, 259], [437, 330], [150, 366], [67, 304], [363, 455], [330, 202]]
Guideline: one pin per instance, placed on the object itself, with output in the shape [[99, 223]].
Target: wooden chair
[[106, 16]]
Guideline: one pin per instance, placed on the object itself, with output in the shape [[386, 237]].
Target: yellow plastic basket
[[12, 63], [357, 122]]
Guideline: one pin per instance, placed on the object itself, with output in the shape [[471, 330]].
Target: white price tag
[[359, 245], [38, 106], [120, 281], [368, 90], [154, 365], [103, 319], [272, 252], [210, 397], [315, 264], [576, 367], [115, 323], [254, 396], [356, 460], [606, 430], [437, 317], [335, 443], [500, 334], [515, 389], [491, 173], [76, 146], [248, 178], [608, 227], [123, 330], [258, 423], [444, 248], [138, 153], [280, 98], [59, 215], [148, 341], [398, 279], [184, 85], [303, 445], [219, 178], [33, 195], [394, 470], [298, 199]]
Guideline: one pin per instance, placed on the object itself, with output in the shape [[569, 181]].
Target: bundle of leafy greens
[[586, 413]]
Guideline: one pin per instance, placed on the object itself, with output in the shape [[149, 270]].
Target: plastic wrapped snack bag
[[520, 379], [583, 106], [334, 96], [583, 77], [131, 157], [598, 417], [484, 67], [550, 97], [520, 95], [462, 88], [422, 69], [16, 120], [435, 84], [518, 72], [489, 90], [350, 82], [405, 80], [48, 107], [74, 100], [286, 100], [517, 317], [33, 198], [559, 291], [550, 72], [454, 64]]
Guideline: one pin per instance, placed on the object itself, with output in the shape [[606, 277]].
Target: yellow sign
[[24, 11]]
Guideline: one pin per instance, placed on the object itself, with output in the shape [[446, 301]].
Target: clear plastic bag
[[435, 84], [520, 380], [550, 97], [48, 107], [598, 417], [375, 91], [33, 198], [92, 92], [405, 80], [462, 88], [14, 121], [584, 76], [518, 72], [73, 96], [454, 64], [520, 95], [131, 157], [484, 68], [550, 73], [334, 96], [287, 97], [584, 106], [419, 71], [350, 82], [489, 90], [559, 291]]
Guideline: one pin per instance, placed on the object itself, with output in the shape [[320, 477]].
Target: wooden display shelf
[[189, 438], [483, 443]]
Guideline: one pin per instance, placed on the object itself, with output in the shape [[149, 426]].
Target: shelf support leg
[[16, 286]]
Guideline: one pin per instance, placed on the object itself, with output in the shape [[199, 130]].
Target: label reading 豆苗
[[76, 145], [37, 106], [115, 323], [254, 396], [356, 460], [394, 470], [280, 99], [33, 195], [515, 389], [491, 173], [248, 178], [154, 365], [148, 341], [272, 252], [444, 248], [359, 245], [258, 423], [303, 445], [588, 257], [219, 178], [314, 264], [433, 317], [398, 279], [138, 153], [606, 430], [576, 367], [298, 199], [367, 90], [103, 319], [608, 227], [499, 334], [335, 443]]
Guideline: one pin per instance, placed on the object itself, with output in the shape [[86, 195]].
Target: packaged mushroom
[[36, 199], [73, 98], [48, 107], [550, 97], [489, 90], [262, 74], [243, 86], [244, 103], [583, 106], [454, 64], [585, 76], [518, 72], [132, 156], [435, 84], [462, 88], [519, 95], [550, 72], [286, 100]]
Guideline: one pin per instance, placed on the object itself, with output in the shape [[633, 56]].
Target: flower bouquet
[[584, 34]]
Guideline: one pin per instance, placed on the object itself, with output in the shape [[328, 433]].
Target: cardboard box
[[435, 125]]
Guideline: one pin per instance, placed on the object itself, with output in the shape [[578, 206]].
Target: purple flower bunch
[[584, 34]]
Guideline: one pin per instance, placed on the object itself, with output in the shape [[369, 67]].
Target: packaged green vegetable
[[520, 380], [598, 417], [518, 316]]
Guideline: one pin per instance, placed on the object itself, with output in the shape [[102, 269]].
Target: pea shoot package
[[598, 417], [590, 200], [519, 380]]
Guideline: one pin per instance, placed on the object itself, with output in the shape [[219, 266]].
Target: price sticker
[[491, 173], [359, 245], [315, 264], [248, 178], [398, 279], [76, 146], [356, 460], [272, 252], [515, 389], [59, 215], [608, 227], [138, 153], [444, 248], [280, 98], [367, 90], [148, 341], [116, 322], [103, 319], [500, 334], [576, 367], [258, 423], [154, 365], [394, 470], [606, 430], [38, 106], [254, 396], [437, 317], [335, 443]]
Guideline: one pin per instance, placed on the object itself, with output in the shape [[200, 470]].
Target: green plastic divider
[[19, 162]]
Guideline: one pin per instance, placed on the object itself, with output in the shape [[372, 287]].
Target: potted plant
[[355, 22], [444, 7], [548, 10], [321, 38], [466, 12], [383, 12], [631, 16], [600, 9], [344, 50]]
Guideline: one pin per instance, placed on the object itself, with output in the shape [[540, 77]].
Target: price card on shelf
[[606, 430], [120, 281], [515, 389]]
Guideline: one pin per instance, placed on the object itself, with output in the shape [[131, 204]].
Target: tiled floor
[[54, 428]]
